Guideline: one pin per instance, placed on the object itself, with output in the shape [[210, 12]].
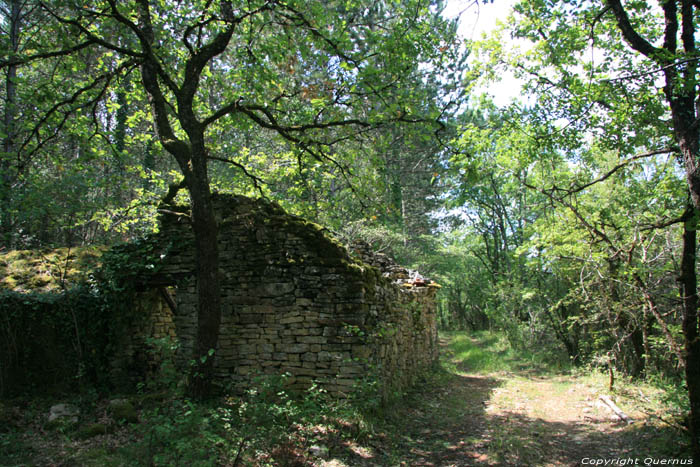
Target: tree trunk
[[9, 129], [191, 156], [681, 92], [688, 282], [686, 131], [205, 230]]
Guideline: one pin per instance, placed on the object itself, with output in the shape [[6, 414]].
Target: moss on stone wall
[[47, 270]]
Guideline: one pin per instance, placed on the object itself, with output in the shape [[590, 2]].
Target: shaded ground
[[461, 415], [524, 419]]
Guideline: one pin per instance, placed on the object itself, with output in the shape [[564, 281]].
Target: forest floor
[[485, 405], [520, 414]]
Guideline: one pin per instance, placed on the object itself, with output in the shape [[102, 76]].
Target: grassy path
[[488, 408]]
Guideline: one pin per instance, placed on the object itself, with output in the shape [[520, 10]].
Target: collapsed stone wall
[[296, 302]]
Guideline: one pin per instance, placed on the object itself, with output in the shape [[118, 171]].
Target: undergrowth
[[268, 425], [271, 425]]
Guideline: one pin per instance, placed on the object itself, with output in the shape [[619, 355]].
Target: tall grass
[[490, 352]]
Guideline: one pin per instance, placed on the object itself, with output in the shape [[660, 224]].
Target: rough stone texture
[[138, 353], [295, 301]]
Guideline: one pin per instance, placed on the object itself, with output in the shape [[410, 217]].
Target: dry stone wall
[[295, 301], [137, 355]]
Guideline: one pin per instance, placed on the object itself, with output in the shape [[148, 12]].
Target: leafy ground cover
[[484, 405]]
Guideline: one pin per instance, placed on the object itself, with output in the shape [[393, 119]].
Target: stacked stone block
[[137, 356], [296, 302]]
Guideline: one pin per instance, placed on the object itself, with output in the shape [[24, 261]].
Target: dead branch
[[612, 406]]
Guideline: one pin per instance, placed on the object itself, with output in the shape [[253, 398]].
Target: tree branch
[[667, 223], [651, 72], [591, 228], [105, 78], [300, 18], [631, 36], [92, 38], [150, 72], [173, 190], [199, 60], [619, 166], [257, 182], [40, 56]]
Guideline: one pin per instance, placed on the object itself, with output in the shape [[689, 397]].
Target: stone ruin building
[[295, 302]]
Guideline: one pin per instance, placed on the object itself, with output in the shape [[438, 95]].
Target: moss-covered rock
[[151, 399], [61, 424], [91, 430], [123, 411]]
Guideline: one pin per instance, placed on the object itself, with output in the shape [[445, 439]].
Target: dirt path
[[515, 419], [481, 420], [525, 419]]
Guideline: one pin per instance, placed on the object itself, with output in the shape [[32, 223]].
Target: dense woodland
[[565, 220]]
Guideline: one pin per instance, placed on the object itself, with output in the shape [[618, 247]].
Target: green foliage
[[88, 163], [70, 328], [568, 207], [183, 433], [64, 339], [265, 420], [368, 395], [167, 378]]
